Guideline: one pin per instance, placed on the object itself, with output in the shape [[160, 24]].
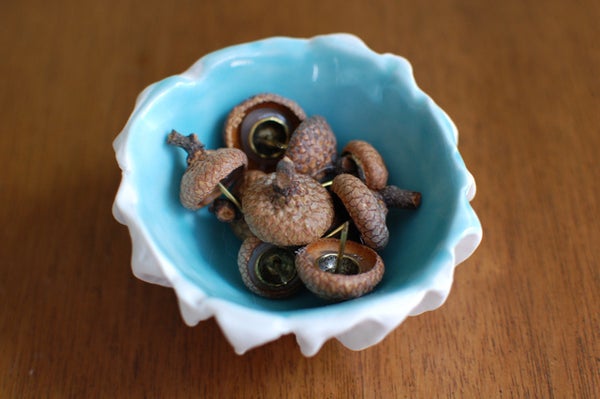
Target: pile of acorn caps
[[287, 194]]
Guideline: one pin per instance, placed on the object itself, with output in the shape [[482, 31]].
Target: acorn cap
[[268, 270], [205, 170], [361, 158], [200, 181], [312, 147], [285, 113], [365, 209], [334, 286], [286, 208]]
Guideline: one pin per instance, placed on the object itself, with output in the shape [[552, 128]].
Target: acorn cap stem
[[395, 197], [224, 210], [284, 176], [190, 144]]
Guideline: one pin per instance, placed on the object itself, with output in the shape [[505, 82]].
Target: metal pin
[[272, 143], [336, 230], [343, 238], [229, 196]]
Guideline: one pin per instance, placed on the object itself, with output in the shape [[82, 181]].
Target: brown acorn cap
[[312, 147], [206, 169], [286, 208], [244, 116], [365, 209], [199, 183], [268, 270], [333, 286], [363, 160]]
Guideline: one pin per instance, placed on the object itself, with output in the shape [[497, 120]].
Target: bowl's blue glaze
[[363, 95]]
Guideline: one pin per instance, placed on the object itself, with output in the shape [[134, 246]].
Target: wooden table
[[521, 79]]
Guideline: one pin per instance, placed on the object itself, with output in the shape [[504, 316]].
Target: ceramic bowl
[[363, 95]]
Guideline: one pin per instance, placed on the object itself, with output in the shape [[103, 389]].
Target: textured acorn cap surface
[[365, 209], [370, 166], [199, 183], [245, 253], [333, 286], [298, 218], [312, 146], [250, 175]]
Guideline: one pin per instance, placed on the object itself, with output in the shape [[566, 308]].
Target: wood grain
[[520, 80]]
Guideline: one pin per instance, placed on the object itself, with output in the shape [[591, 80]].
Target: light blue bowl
[[363, 95]]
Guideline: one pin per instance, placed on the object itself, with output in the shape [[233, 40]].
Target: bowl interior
[[362, 97]]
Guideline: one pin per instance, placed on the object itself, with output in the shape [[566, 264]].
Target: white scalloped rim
[[247, 328]]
